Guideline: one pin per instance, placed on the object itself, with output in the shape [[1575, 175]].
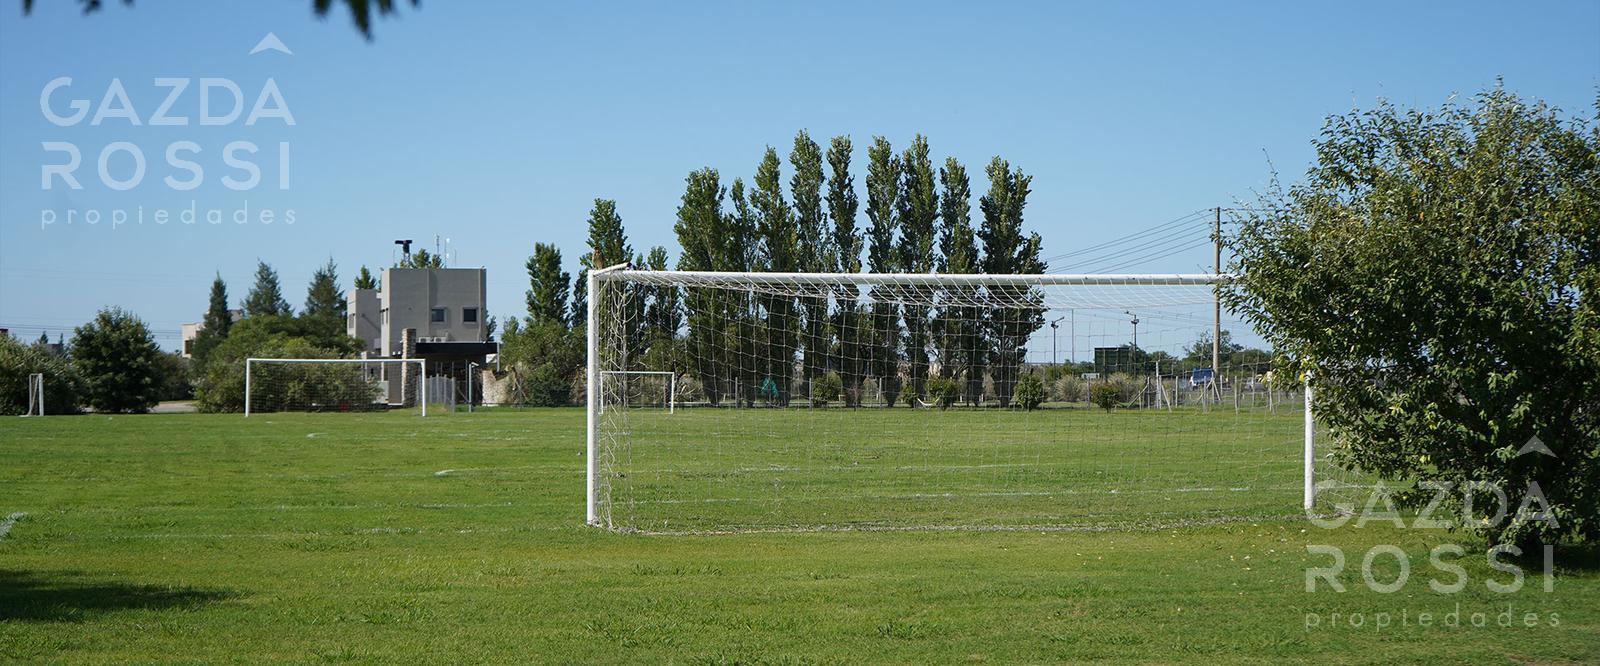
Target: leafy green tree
[[883, 194], [266, 297], [325, 302], [63, 387], [959, 331], [364, 279], [1435, 276], [815, 255], [1198, 353], [361, 11], [918, 210], [663, 318], [548, 287], [608, 243], [780, 252], [703, 236], [1030, 392], [219, 382], [844, 255], [1009, 249], [543, 358], [421, 259], [214, 327], [119, 361]]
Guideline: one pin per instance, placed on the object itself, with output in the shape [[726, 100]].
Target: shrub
[[63, 387], [945, 392], [219, 384], [120, 362], [1104, 395], [1069, 388], [1029, 393], [826, 389]]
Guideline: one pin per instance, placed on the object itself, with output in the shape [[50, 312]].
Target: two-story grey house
[[430, 313]]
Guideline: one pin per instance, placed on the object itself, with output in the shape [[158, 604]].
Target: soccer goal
[[878, 401], [337, 385], [35, 395]]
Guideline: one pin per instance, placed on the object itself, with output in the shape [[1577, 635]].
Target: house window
[[469, 315], [438, 316]]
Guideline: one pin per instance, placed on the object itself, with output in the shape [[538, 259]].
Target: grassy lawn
[[385, 537]]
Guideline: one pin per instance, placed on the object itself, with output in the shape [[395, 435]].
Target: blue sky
[[497, 124]]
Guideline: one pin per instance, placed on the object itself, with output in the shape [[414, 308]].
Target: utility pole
[[1216, 314]]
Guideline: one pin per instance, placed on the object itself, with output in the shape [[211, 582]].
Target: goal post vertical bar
[[422, 381], [247, 363], [592, 397], [1309, 454]]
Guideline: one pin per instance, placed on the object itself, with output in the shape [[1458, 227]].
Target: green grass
[[727, 469], [327, 537]]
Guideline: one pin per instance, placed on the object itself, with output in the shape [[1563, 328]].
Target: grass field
[[328, 537]]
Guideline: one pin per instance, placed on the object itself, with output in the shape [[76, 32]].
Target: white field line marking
[[286, 507], [381, 531], [5, 525], [1157, 526], [913, 496]]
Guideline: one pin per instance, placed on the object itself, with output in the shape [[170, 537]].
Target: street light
[[1132, 353], [1054, 324]]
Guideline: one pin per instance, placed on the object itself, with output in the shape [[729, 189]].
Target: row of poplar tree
[[746, 347]]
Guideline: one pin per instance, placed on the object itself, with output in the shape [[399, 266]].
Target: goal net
[[341, 385], [862, 401]]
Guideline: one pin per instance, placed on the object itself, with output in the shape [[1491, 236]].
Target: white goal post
[[389, 381], [747, 346], [35, 395]]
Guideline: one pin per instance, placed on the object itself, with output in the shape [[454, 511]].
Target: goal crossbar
[[713, 278]]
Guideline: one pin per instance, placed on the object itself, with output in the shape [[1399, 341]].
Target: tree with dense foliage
[[119, 361], [958, 327], [609, 243], [1198, 353], [844, 255], [214, 327], [219, 382], [548, 287], [542, 360], [1030, 392], [63, 386], [811, 221], [663, 318], [1009, 249], [1435, 277], [361, 11], [883, 223], [364, 279], [918, 210], [421, 259], [779, 248], [266, 296], [325, 302]]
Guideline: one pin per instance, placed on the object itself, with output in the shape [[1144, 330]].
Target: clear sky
[[496, 124]]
